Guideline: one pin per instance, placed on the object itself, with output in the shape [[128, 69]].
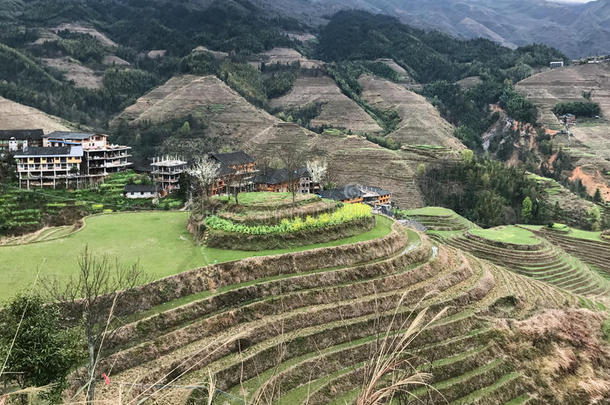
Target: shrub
[[578, 108]]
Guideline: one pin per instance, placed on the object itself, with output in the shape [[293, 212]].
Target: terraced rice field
[[541, 261], [297, 328], [593, 252], [440, 219], [569, 263]]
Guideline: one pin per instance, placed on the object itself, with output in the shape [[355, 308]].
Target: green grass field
[[267, 198], [158, 240], [570, 232], [508, 234], [433, 211]]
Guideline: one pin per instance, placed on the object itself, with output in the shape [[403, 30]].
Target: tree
[[185, 130], [92, 297], [292, 157], [526, 210], [598, 196], [317, 170], [594, 218], [204, 174], [34, 347]]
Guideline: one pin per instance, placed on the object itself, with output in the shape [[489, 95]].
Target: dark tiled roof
[[140, 188], [233, 158], [378, 190], [273, 176], [54, 151], [340, 194], [70, 135], [21, 134], [225, 170]]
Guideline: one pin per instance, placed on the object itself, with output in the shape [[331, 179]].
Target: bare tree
[[204, 174], [293, 159], [92, 297], [317, 170]]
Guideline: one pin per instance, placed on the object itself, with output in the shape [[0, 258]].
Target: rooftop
[[233, 158], [72, 135], [140, 188], [278, 176], [354, 191], [340, 194], [72, 151], [21, 134]]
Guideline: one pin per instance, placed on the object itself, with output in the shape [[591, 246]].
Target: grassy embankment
[[158, 240]]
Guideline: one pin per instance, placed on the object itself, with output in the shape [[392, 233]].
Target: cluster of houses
[[79, 159], [71, 159], [239, 170]]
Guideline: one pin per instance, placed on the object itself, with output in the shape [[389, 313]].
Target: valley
[[296, 202]]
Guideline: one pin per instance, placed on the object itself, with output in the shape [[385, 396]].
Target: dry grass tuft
[[391, 361]]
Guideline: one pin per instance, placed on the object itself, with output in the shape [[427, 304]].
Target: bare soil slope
[[590, 145], [421, 122], [338, 111], [73, 70], [241, 125], [18, 116]]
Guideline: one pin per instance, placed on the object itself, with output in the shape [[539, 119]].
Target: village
[[74, 160]]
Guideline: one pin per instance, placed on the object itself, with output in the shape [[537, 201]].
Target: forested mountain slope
[[576, 29]]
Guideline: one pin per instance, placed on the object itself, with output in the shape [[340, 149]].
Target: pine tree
[[598, 196]]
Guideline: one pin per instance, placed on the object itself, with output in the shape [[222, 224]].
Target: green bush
[[578, 108]]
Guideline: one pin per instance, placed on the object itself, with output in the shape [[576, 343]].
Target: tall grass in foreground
[[389, 372]]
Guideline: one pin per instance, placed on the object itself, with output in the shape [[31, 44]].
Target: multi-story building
[[237, 170], [49, 166], [166, 173], [101, 158], [20, 139]]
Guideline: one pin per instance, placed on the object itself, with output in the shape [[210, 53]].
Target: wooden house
[[237, 170]]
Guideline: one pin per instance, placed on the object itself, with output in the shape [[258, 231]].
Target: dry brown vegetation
[[563, 354], [421, 123], [338, 110], [75, 71], [18, 116]]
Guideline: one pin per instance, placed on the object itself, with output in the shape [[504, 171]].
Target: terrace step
[[301, 317]]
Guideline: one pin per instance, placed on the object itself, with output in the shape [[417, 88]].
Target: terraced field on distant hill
[[298, 328], [587, 246], [421, 123], [522, 251], [338, 110], [589, 145]]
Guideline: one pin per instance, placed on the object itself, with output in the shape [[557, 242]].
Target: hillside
[[239, 124], [337, 110], [300, 329], [421, 123], [18, 116], [589, 147]]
